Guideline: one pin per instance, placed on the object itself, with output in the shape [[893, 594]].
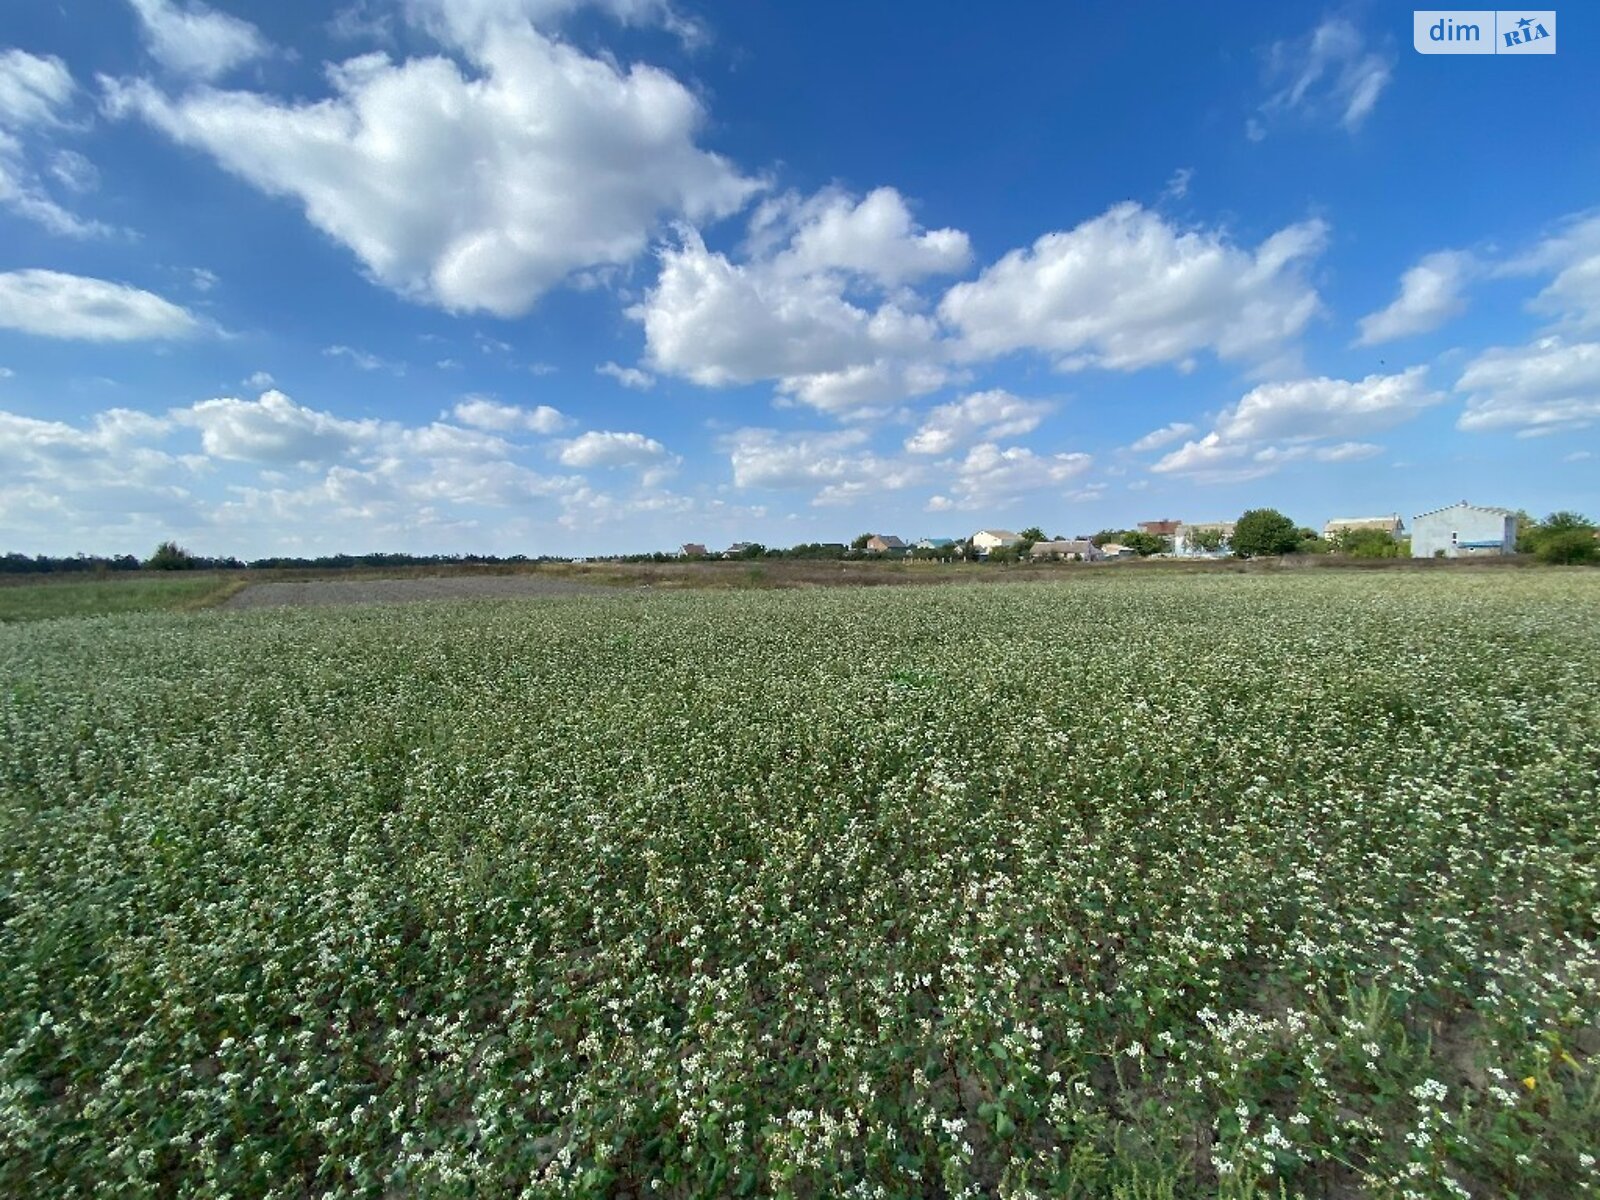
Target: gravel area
[[320, 592]]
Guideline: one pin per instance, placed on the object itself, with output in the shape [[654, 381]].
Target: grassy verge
[[101, 597]]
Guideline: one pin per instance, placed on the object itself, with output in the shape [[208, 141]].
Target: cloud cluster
[[1127, 290], [809, 308], [985, 416], [1300, 420], [476, 191], [36, 93], [264, 474], [480, 412], [820, 306], [274, 430], [990, 476], [840, 467], [1547, 386]]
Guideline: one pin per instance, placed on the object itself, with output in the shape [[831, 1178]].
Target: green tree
[[1263, 531], [1209, 540], [1533, 536], [1033, 534], [1141, 543], [1368, 543], [1527, 531], [1568, 546], [861, 541], [170, 556]]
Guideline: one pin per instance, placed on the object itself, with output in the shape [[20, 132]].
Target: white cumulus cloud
[[604, 448], [1127, 290], [273, 429], [473, 190], [1304, 409], [809, 308], [876, 237], [57, 305], [1544, 387], [991, 475], [628, 377], [483, 413], [981, 416], [1430, 294], [1299, 420], [191, 38]]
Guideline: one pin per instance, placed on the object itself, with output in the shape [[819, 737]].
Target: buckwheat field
[[1126, 886]]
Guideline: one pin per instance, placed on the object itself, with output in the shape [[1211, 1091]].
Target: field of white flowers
[[1129, 887]]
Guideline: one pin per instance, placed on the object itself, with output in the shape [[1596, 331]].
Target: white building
[[1463, 530], [986, 540]]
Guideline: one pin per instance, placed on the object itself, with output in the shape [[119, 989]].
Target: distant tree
[[1568, 546], [1367, 543], [1527, 531], [1565, 522], [1209, 540], [170, 556], [1141, 543], [860, 542], [1263, 531], [1314, 545], [1033, 534], [1554, 531], [1005, 554], [753, 550]]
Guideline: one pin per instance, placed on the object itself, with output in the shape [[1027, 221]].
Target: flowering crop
[[1121, 886]]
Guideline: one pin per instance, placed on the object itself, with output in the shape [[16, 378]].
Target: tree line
[[169, 556], [1560, 538]]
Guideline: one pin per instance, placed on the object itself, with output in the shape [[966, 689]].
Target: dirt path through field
[[322, 592]]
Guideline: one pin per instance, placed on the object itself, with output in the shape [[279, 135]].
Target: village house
[[1187, 538], [1392, 525], [987, 540], [885, 543], [1075, 549], [1166, 529], [1463, 530], [692, 550], [1118, 550], [936, 543]]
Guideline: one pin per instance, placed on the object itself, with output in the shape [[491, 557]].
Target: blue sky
[[592, 276]]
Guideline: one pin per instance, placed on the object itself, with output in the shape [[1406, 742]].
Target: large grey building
[[1463, 530]]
